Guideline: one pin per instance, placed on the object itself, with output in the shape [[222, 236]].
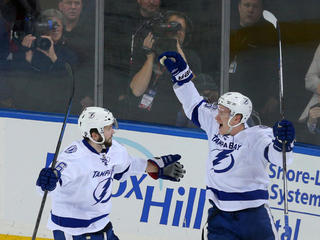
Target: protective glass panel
[[40, 41], [255, 62], [136, 86]]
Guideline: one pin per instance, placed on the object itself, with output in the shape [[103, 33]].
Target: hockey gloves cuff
[[283, 131], [176, 65], [48, 179], [169, 168]]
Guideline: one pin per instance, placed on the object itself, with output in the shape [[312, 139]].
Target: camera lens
[[44, 44]]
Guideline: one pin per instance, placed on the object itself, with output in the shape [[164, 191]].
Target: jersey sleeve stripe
[[240, 196], [266, 153], [195, 114], [118, 176]]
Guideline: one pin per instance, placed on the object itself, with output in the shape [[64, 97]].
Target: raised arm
[[195, 106], [141, 79]]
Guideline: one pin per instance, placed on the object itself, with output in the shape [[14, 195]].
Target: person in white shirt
[[237, 179], [85, 171]]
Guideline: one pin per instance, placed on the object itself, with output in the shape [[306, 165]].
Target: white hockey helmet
[[95, 118], [238, 104]]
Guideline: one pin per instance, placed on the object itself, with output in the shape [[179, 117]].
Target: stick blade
[[270, 17]]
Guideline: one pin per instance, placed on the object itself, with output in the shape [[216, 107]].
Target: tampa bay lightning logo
[[223, 162], [100, 193], [71, 149], [92, 115]]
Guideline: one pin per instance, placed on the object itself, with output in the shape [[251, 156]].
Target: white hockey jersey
[[81, 201], [236, 167]]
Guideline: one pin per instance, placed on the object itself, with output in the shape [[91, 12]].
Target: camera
[[163, 29], [165, 35], [42, 28], [37, 29]]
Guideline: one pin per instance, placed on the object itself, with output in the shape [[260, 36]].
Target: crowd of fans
[[37, 43]]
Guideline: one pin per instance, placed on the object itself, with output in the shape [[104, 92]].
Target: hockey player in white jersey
[[237, 179], [81, 184]]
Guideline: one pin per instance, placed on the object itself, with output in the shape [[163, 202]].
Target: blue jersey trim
[[195, 114], [92, 149], [89, 146], [266, 153], [74, 222], [240, 196], [118, 176]]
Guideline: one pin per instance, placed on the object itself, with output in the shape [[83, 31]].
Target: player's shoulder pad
[[72, 151], [260, 130]]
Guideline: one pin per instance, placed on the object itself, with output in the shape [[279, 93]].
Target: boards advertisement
[[142, 208]]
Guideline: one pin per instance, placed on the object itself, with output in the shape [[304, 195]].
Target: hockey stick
[[268, 16], [54, 161]]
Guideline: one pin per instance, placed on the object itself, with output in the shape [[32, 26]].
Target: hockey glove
[[283, 131], [169, 168], [48, 179], [176, 65]]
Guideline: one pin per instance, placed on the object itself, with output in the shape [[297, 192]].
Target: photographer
[[40, 79], [44, 49], [149, 82]]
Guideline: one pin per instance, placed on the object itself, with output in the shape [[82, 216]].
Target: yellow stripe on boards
[[11, 237]]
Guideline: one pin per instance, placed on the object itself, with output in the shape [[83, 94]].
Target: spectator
[[71, 9], [311, 113], [312, 83], [41, 81], [79, 37], [250, 12], [313, 122], [149, 82], [149, 14], [126, 26], [78, 31], [129, 27], [149, 10], [46, 51], [253, 60]]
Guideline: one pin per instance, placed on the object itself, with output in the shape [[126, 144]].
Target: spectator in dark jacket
[[39, 75], [46, 51]]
